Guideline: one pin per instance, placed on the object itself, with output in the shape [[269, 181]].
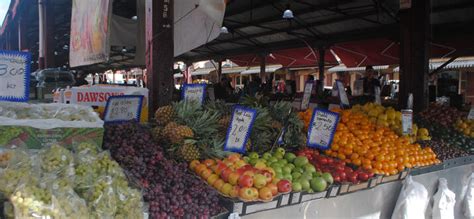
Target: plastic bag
[[468, 202], [31, 201], [22, 167], [101, 199], [412, 201], [57, 160], [444, 201], [130, 203]]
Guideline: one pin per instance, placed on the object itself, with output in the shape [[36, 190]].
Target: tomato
[[363, 177]]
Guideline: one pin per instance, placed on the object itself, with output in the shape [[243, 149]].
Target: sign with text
[[308, 89], [342, 93], [407, 121], [194, 93], [322, 128], [471, 114], [14, 76], [123, 108], [358, 88], [239, 129]]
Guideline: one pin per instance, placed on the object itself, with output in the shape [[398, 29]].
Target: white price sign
[[14, 76], [123, 108], [322, 128], [342, 93], [194, 93], [407, 121], [308, 89], [471, 114], [239, 129]]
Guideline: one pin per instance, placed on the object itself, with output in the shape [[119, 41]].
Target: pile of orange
[[306, 117], [376, 148]]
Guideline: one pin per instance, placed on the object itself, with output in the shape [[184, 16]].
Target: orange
[[341, 156], [354, 156], [357, 162]]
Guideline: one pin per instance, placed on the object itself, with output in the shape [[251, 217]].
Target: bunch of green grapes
[[71, 205], [130, 204], [29, 199], [8, 133], [101, 198], [108, 166], [87, 148], [11, 177], [56, 159]]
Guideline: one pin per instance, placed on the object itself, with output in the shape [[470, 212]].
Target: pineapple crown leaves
[[213, 148], [254, 101], [204, 123], [218, 106]]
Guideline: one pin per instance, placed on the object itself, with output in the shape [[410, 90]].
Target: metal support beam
[[42, 35], [159, 52], [414, 54], [49, 57], [263, 66], [321, 61], [219, 71], [437, 70]]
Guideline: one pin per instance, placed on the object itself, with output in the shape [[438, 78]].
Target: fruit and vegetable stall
[[257, 159]]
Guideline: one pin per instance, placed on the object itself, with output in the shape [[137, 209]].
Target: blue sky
[[3, 9]]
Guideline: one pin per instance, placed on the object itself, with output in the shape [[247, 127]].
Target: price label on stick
[[407, 121], [239, 129], [194, 93], [123, 108], [342, 94], [14, 76], [308, 89], [471, 114], [322, 128]]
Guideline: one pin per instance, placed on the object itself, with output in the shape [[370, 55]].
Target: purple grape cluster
[[167, 185]]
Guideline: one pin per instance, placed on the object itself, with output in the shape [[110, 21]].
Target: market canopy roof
[[343, 68], [256, 69], [467, 62], [362, 32]]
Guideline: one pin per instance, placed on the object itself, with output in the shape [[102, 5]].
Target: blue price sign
[[322, 128], [194, 93], [239, 129], [123, 108], [15, 76]]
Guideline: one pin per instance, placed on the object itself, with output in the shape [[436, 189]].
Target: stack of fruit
[[168, 187], [444, 151], [442, 114], [305, 116], [338, 169], [376, 148], [465, 126], [233, 177], [389, 117], [296, 169]]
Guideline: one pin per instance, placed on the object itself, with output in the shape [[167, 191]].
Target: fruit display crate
[[399, 176], [450, 163], [245, 208]]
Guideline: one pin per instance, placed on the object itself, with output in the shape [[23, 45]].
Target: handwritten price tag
[[194, 93], [308, 89], [123, 108], [342, 93], [15, 76], [239, 129], [407, 122], [322, 128]]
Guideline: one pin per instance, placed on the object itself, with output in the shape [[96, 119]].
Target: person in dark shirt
[[221, 89], [81, 79], [370, 82]]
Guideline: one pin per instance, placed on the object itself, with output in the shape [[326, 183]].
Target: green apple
[[296, 187], [253, 161], [292, 166], [253, 155], [318, 184], [306, 176], [279, 175], [283, 162], [246, 159], [317, 174], [266, 156], [309, 168], [328, 178], [305, 184], [260, 164], [272, 160], [300, 161], [298, 169], [286, 169], [296, 175], [288, 177], [290, 157], [259, 181], [310, 191], [281, 150], [278, 155]]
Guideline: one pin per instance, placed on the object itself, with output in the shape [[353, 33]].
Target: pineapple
[[164, 115], [224, 122], [177, 133], [157, 133], [277, 125], [189, 151]]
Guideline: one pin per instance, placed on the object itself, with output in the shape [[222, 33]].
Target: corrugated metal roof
[[343, 68], [453, 65], [256, 69]]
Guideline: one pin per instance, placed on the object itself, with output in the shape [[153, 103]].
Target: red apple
[[249, 173], [220, 167], [225, 174], [246, 181], [363, 176], [218, 184], [226, 189], [268, 175], [209, 162], [254, 193], [234, 192], [206, 173], [234, 157], [194, 164], [212, 178], [273, 188], [200, 168], [233, 178], [246, 193], [284, 186]]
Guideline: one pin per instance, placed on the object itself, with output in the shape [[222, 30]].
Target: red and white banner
[[97, 95]]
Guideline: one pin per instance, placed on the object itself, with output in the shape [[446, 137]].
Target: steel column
[[321, 69]]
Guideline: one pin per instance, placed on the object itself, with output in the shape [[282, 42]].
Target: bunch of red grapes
[[168, 187]]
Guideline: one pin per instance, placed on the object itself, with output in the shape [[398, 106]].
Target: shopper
[[370, 82]]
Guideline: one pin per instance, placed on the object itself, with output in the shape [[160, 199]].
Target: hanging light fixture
[[224, 30], [288, 13]]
